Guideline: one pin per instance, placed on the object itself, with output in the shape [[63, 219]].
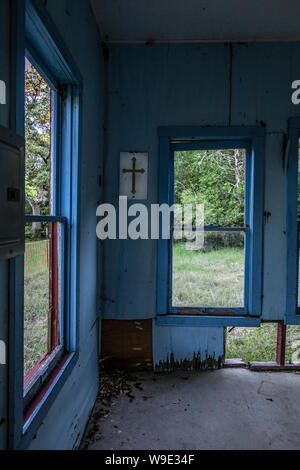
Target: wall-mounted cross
[[133, 170]]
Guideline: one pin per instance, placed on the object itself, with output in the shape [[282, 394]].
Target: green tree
[[214, 178], [38, 143]]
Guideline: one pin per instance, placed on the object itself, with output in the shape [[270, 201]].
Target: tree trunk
[[36, 210], [237, 167]]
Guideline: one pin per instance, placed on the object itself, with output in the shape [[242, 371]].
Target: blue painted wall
[[147, 87], [194, 84], [66, 420], [64, 424], [192, 347]]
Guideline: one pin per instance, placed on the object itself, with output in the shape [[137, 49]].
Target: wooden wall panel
[[184, 85], [148, 87], [126, 344], [189, 348]]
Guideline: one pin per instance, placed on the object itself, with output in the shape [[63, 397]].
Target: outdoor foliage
[[37, 193], [259, 344], [214, 278], [215, 178], [37, 134], [36, 306]]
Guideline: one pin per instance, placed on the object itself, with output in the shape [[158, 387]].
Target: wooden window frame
[[290, 163], [40, 40], [172, 139]]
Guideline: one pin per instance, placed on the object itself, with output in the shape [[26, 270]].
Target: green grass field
[[259, 344], [215, 278], [208, 279], [36, 303]]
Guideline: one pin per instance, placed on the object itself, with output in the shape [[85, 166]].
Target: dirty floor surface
[[224, 409]]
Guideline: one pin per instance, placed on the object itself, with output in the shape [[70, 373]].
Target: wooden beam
[[281, 343]]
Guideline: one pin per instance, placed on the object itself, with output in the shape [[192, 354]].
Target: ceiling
[[197, 20]]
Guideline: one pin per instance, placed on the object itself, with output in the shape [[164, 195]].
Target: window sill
[[38, 377], [208, 311], [42, 402], [206, 320]]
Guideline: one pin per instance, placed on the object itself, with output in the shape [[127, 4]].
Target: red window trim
[[44, 389]]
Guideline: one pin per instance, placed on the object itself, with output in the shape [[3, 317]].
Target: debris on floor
[[225, 409], [117, 383], [112, 385]]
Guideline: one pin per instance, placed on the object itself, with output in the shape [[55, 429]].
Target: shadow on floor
[[223, 409]]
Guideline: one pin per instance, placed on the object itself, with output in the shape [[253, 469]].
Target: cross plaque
[[133, 175]]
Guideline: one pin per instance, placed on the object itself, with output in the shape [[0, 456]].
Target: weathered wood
[[232, 363], [189, 348], [273, 366], [126, 344], [281, 342]]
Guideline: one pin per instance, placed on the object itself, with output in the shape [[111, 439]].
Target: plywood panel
[[126, 344]]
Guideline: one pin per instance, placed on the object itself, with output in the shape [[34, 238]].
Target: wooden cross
[[133, 170]]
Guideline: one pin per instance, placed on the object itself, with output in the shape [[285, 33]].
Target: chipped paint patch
[[197, 363]]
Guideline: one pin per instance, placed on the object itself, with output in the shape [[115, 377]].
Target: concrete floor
[[224, 409]]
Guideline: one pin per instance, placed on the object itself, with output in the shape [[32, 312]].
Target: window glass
[[210, 274], [43, 239]]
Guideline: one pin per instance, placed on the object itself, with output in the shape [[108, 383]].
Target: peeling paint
[[186, 348], [197, 363]]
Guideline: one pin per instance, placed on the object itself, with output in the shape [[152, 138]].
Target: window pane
[[292, 343], [252, 344], [42, 273], [42, 260], [214, 178], [36, 300], [212, 276], [38, 98]]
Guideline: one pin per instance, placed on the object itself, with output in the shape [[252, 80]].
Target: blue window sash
[[45, 47], [252, 139], [62, 268], [292, 316]]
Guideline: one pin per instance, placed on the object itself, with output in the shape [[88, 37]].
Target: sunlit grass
[[259, 344], [215, 278], [36, 306], [208, 279]]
